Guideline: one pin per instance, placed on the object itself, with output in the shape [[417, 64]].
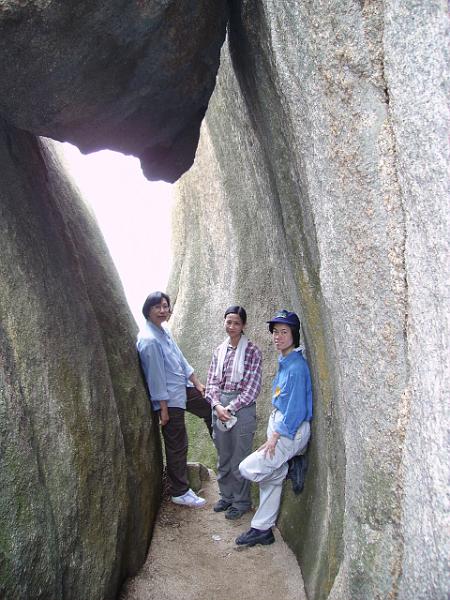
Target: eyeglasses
[[159, 307]]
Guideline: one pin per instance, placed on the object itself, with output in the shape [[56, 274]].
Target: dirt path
[[193, 557]]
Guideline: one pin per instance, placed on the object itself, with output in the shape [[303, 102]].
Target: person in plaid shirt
[[233, 384]]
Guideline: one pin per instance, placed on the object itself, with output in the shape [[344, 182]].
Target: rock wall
[[321, 185], [80, 463], [130, 75]]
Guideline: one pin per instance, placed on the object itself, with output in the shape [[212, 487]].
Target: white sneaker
[[190, 499]]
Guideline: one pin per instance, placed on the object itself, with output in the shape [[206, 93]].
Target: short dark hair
[[152, 300], [236, 310], [295, 333]]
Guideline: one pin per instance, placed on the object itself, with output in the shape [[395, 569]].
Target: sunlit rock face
[[133, 76], [80, 463], [321, 185]]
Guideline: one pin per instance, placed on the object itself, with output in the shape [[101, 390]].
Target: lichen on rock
[[80, 463], [321, 185]]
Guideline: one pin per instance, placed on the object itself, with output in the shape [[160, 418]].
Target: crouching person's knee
[[243, 469], [246, 468]]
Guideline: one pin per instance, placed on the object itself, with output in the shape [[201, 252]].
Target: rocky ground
[[193, 556]]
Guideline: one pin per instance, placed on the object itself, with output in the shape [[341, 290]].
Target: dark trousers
[[176, 439], [176, 446], [198, 406]]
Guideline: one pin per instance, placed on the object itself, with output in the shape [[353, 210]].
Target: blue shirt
[[166, 370], [291, 393]]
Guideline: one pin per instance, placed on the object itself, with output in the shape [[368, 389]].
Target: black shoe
[[255, 536], [298, 465], [234, 513], [221, 506]]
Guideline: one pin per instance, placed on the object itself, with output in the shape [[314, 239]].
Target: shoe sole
[[263, 543], [189, 505]]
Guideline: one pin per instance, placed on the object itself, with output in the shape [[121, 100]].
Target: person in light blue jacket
[[288, 430], [167, 373]]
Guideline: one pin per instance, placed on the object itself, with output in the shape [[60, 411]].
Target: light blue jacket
[[165, 368], [291, 393]]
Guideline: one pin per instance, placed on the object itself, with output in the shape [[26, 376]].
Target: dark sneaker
[[255, 536], [297, 467], [221, 506], [234, 513]]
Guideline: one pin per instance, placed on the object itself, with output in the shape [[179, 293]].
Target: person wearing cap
[[288, 430], [168, 374], [232, 386]]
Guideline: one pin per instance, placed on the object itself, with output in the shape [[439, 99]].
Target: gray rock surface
[[133, 76], [321, 185], [80, 464], [197, 474]]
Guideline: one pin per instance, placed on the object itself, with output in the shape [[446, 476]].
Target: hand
[[269, 446], [222, 413], [197, 384], [163, 417], [201, 388]]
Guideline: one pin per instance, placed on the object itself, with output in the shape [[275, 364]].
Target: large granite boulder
[[80, 463], [321, 185], [133, 76]]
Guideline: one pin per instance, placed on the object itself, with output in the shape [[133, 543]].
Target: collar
[[161, 331], [291, 356]]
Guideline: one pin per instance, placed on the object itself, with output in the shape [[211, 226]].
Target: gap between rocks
[[193, 557]]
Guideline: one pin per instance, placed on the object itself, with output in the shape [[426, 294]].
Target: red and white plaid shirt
[[250, 384]]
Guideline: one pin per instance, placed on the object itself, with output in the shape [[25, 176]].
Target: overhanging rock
[[132, 76]]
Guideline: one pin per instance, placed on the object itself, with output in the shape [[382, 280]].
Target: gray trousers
[[232, 447]]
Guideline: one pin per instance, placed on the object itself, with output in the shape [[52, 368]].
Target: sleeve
[[212, 393], [152, 361], [251, 382], [295, 410]]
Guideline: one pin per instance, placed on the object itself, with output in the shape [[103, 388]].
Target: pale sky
[[133, 214]]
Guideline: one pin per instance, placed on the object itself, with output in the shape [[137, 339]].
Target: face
[[159, 312], [234, 326], [282, 338]]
